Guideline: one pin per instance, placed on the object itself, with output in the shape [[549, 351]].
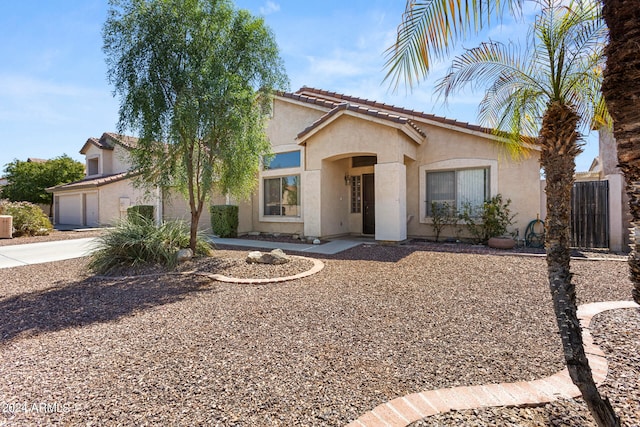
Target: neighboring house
[[341, 166], [104, 195]]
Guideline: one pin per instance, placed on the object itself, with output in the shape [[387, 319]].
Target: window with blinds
[[457, 188]]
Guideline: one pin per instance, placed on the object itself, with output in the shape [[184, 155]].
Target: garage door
[[91, 209], [70, 209]]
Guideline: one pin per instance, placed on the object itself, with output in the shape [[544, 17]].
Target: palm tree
[[430, 28], [621, 89], [556, 79]]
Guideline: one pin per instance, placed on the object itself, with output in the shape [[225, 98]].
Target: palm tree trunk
[[559, 141], [621, 90]]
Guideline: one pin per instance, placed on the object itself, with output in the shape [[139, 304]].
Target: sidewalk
[[37, 253], [329, 248]]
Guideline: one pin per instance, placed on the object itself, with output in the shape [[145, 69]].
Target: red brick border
[[405, 410]]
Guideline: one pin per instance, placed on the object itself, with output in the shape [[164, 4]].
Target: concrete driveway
[[36, 253]]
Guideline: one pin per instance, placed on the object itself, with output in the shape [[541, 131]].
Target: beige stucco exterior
[[331, 129], [103, 196], [362, 171]]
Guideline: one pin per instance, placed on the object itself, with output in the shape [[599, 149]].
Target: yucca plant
[[140, 242]]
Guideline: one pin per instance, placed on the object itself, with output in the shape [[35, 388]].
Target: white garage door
[[91, 209], [70, 209]]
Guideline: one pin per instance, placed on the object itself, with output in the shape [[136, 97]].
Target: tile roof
[[107, 140], [93, 182], [362, 110], [323, 96]]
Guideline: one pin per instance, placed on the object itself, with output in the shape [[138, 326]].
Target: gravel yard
[[376, 323]]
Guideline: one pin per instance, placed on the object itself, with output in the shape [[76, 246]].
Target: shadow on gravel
[[91, 301]]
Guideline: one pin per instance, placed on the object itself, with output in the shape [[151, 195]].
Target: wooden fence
[[590, 214]]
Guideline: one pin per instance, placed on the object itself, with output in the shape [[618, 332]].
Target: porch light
[[347, 179]]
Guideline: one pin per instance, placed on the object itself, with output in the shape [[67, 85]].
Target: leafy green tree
[[550, 89], [28, 181], [195, 79]]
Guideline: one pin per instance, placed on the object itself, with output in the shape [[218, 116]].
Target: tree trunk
[[559, 140], [621, 90]]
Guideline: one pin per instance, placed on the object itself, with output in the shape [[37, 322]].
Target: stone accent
[[276, 256], [184, 255]]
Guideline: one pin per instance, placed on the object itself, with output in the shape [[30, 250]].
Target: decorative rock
[[295, 237], [184, 255], [316, 241], [254, 257], [253, 233], [275, 257], [279, 257]]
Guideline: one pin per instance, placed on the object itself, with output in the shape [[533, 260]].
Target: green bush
[[442, 215], [28, 219], [140, 211], [489, 220], [140, 243], [224, 220]]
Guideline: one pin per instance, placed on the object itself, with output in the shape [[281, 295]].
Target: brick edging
[[405, 410], [317, 266]]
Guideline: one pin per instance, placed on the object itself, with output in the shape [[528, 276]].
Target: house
[[104, 195], [341, 166], [350, 166]]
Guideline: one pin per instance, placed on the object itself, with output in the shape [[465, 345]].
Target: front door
[[368, 204]]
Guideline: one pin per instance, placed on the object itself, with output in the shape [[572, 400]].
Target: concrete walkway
[[405, 410], [329, 248], [37, 253]]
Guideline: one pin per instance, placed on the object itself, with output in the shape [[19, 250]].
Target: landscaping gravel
[[618, 334], [376, 323]]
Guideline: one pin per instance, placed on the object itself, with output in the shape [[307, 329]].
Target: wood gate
[[590, 214]]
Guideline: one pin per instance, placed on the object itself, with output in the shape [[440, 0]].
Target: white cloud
[[269, 7]]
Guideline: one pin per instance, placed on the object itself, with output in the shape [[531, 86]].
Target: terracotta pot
[[501, 243]]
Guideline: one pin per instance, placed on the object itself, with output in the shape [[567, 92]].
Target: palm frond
[[429, 30]]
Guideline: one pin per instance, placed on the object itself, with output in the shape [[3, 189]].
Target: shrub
[[224, 220], [489, 220], [140, 211], [28, 219], [443, 214], [141, 242]]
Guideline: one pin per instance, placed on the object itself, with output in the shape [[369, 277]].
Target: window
[[282, 196], [92, 166], [356, 206], [362, 161], [289, 159], [458, 188]]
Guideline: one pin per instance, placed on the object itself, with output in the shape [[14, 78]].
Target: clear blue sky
[[54, 93]]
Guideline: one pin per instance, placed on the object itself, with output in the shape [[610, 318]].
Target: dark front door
[[368, 204]]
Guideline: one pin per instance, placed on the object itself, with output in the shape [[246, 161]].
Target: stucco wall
[[289, 119], [109, 200], [176, 206], [517, 180], [119, 160]]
